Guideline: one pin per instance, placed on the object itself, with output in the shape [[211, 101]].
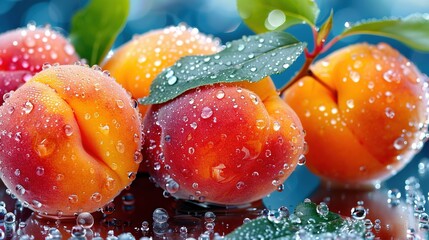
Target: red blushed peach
[[23, 52], [365, 116], [70, 140], [136, 64], [222, 144]]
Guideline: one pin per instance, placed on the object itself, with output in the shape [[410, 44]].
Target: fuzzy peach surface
[[136, 64], [70, 140], [23, 52], [369, 120]]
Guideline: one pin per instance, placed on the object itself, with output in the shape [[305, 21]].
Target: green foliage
[[412, 30], [95, 28], [250, 58], [306, 222], [267, 15]]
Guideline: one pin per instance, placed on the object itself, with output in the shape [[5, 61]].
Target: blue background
[[220, 19]]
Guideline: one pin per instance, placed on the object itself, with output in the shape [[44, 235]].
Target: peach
[[70, 140], [365, 112], [225, 143], [23, 52], [136, 64]]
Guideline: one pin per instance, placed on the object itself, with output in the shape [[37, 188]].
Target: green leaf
[[268, 15], [306, 222], [413, 30], [95, 28], [250, 58], [325, 29]]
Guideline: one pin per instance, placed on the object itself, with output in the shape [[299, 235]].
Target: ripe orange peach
[[70, 140], [366, 115], [23, 52], [136, 64], [224, 143]]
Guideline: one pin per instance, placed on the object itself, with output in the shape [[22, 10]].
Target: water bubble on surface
[[393, 197], [85, 220], [209, 217], [126, 236], [283, 212], [172, 186], [399, 143], [423, 166], [128, 199], [54, 234], [145, 226], [350, 103], [78, 231], [206, 112], [302, 160], [160, 215], [28, 107], [322, 209], [109, 208], [9, 218], [220, 94], [358, 212], [389, 112]]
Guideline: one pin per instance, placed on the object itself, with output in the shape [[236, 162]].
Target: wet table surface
[[137, 204]]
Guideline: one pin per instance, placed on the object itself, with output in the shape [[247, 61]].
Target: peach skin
[[223, 143], [70, 140], [365, 112], [136, 64], [23, 52]]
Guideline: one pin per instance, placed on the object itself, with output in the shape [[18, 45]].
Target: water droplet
[[109, 208], [85, 220], [73, 199], [240, 47], [40, 171], [253, 69], [68, 130], [69, 49], [9, 218], [160, 215], [209, 217], [389, 76], [322, 209], [389, 113], [20, 189], [220, 94], [206, 112], [138, 157], [276, 126], [120, 147], [193, 125], [302, 160], [172, 80], [240, 185], [132, 175], [350, 103], [104, 129], [399, 143], [28, 107], [172, 186], [96, 197], [120, 103], [358, 212], [191, 150], [78, 231], [354, 76], [283, 212], [45, 148]]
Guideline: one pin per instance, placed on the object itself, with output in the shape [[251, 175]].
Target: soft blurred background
[[220, 19]]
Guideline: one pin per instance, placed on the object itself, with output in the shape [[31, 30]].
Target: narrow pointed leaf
[[95, 28], [413, 30], [305, 221], [268, 15], [250, 58], [325, 28]]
